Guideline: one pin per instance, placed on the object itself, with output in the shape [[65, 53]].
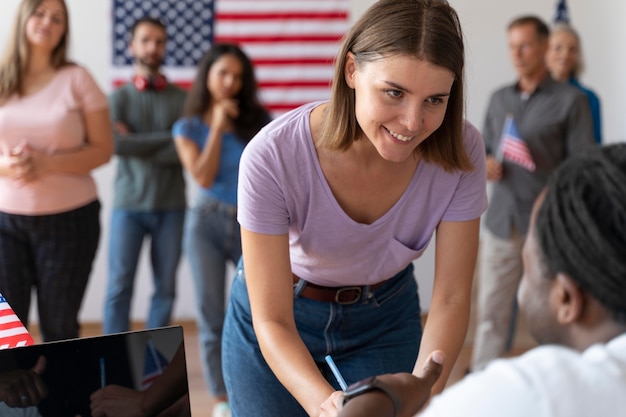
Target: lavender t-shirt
[[282, 189]]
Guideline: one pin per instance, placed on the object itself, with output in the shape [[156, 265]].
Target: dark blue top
[[594, 102], [224, 187]]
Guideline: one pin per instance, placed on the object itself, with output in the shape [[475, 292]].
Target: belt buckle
[[357, 295]]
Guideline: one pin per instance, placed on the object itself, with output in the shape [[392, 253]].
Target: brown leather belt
[[340, 295]]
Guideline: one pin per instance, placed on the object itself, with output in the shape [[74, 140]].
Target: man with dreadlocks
[[573, 296]]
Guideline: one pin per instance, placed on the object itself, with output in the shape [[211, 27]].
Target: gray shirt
[[555, 122], [149, 174]]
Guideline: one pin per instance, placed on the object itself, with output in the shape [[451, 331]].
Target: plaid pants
[[53, 254]]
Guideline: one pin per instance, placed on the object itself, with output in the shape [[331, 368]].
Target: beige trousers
[[498, 278]]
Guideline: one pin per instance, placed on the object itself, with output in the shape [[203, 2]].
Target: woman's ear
[[568, 299], [349, 69]]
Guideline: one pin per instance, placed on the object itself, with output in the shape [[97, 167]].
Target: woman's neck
[[38, 64]]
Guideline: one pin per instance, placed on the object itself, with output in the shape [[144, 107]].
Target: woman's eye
[[435, 100], [394, 93]]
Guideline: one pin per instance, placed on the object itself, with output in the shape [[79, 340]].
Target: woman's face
[[562, 55], [47, 25], [225, 78], [399, 101]]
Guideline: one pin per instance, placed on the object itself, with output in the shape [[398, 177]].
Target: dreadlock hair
[[581, 225]]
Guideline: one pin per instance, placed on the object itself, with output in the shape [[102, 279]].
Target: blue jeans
[[347, 332], [212, 239], [128, 230]]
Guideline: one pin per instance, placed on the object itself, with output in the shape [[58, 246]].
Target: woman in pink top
[[54, 129]]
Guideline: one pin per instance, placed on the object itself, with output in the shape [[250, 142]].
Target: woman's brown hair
[[428, 30]]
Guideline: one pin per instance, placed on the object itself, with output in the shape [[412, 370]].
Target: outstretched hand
[[413, 393]]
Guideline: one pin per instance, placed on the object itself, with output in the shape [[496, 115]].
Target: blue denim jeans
[[212, 239], [378, 335], [128, 231]]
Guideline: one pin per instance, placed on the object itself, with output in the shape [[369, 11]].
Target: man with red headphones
[[149, 195]]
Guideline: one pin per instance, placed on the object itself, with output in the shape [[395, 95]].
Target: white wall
[[484, 22]]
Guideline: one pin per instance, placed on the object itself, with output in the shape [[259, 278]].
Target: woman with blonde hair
[[54, 129], [565, 63]]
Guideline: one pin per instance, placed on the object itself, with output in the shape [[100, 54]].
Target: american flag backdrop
[[12, 331], [292, 43]]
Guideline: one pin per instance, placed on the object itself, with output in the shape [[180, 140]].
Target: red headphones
[[157, 82]]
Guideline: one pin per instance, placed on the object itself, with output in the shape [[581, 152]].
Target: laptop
[[76, 368]]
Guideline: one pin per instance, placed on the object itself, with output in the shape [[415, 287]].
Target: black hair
[[581, 225], [149, 20], [252, 115]]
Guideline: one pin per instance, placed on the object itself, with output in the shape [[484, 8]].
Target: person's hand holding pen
[[24, 387], [409, 394]]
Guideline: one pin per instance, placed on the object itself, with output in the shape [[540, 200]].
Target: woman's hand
[[18, 164], [332, 405], [223, 112]]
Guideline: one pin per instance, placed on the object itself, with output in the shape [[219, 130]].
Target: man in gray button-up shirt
[[554, 120]]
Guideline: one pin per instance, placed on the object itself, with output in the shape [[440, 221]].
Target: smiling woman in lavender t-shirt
[[335, 201]]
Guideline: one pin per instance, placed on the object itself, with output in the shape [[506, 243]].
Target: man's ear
[[350, 69], [568, 299]]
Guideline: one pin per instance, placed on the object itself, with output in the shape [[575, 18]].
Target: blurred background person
[[222, 113], [54, 130], [565, 63], [553, 122], [149, 193]]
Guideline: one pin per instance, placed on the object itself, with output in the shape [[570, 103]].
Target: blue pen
[[336, 372], [103, 380]]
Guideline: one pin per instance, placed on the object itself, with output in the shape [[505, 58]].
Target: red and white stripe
[[516, 151], [12, 331], [292, 44]]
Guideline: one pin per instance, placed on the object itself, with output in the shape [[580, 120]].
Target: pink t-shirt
[[51, 120], [282, 189]]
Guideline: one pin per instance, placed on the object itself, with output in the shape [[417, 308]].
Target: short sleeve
[[470, 197], [88, 93]]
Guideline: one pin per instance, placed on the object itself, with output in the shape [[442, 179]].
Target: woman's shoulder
[[74, 70], [188, 123], [288, 136], [471, 135], [77, 75]]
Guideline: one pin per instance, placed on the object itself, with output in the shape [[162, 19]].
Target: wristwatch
[[371, 384]]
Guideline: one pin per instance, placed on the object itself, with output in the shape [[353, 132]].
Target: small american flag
[[12, 331], [561, 15], [292, 43], [154, 365], [512, 146]]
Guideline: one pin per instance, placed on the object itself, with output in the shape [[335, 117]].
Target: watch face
[[360, 387]]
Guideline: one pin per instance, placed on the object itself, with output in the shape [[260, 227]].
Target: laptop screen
[[74, 372]]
